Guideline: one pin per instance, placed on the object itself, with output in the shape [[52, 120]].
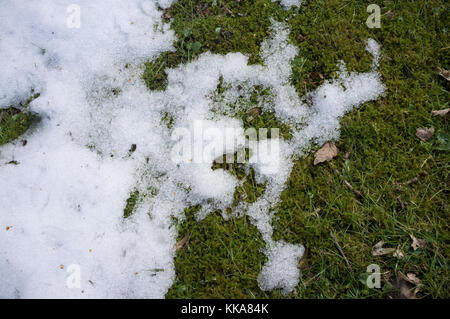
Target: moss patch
[[384, 152], [14, 121]]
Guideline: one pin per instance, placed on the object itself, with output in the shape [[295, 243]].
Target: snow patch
[[287, 4], [64, 201], [281, 270]]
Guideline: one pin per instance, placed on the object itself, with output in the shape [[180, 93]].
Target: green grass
[[14, 121], [223, 258]]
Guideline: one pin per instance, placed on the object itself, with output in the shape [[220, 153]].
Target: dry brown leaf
[[412, 278], [378, 249], [444, 73], [301, 38], [417, 243], [166, 15], [254, 111], [407, 286], [182, 242], [441, 113], [406, 291], [398, 253], [390, 15], [326, 153], [425, 134]]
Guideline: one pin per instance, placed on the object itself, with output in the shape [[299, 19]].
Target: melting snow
[[287, 4], [64, 201]]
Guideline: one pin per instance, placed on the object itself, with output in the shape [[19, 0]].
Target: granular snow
[[63, 202]]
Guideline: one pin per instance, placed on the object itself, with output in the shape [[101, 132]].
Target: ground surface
[[379, 152]]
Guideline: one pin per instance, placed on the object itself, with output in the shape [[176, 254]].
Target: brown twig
[[228, 10], [357, 193], [401, 204], [341, 251], [350, 187]]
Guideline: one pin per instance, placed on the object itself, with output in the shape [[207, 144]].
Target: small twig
[[412, 181], [228, 10], [350, 187], [341, 251], [401, 204], [357, 193]]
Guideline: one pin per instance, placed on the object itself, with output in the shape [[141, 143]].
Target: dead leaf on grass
[[444, 73], [404, 289], [412, 278], [379, 250], [424, 133], [182, 242], [398, 253], [441, 113], [326, 153], [390, 15], [409, 281], [417, 242], [254, 111]]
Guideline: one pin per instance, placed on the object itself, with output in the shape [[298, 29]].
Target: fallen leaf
[[417, 243], [398, 253], [61, 267], [425, 134], [317, 75], [254, 111], [8, 228], [444, 73], [301, 38], [441, 113], [166, 15], [412, 278], [378, 249], [405, 290], [390, 15], [182, 242], [326, 153]]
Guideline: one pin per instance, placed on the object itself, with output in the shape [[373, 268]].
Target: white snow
[[281, 270], [287, 4], [63, 202]]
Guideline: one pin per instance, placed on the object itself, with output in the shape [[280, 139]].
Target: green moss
[[14, 121], [200, 26], [384, 153], [380, 136], [131, 204], [215, 261]]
